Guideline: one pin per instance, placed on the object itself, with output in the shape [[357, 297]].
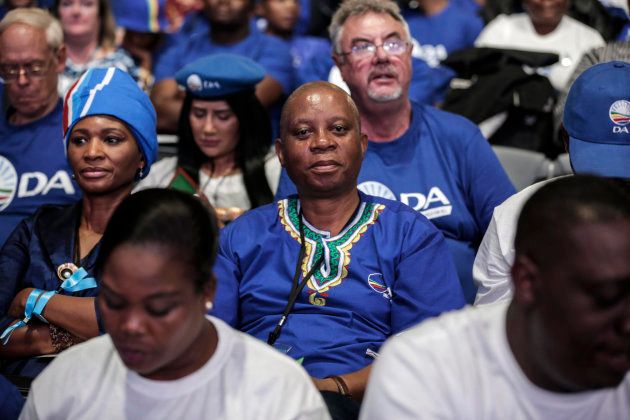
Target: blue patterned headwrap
[[112, 92]]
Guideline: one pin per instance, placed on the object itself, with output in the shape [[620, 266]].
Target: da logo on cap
[[194, 83], [620, 112]]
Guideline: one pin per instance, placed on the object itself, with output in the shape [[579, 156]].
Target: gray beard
[[396, 94]]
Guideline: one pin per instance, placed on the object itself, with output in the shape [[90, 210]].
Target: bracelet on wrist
[[342, 386]]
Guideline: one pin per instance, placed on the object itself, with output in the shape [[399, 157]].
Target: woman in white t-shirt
[[162, 356], [224, 138]]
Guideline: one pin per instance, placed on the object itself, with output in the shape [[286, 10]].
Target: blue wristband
[[31, 301], [41, 304], [38, 299], [6, 335]]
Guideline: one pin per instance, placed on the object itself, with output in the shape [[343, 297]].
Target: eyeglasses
[[9, 73], [364, 49]]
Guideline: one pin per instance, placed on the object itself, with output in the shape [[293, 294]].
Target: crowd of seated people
[[309, 247]]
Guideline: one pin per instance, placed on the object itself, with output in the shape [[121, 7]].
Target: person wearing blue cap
[[224, 138], [596, 133], [47, 284]]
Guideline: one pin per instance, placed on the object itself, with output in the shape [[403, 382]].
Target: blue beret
[[220, 74], [111, 91]]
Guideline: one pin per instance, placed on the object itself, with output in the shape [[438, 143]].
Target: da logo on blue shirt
[[377, 283], [30, 184], [377, 189], [432, 205]]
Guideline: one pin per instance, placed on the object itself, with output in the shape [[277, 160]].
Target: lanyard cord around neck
[[296, 288]]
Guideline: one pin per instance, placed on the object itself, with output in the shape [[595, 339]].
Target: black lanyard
[[296, 288]]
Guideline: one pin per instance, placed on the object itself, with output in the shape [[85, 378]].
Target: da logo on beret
[[194, 83], [220, 74]]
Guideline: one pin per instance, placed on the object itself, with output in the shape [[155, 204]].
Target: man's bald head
[[321, 145], [298, 96]]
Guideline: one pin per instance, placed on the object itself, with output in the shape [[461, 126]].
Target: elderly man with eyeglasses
[[33, 165], [436, 162]]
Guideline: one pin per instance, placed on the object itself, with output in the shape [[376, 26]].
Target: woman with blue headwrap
[[47, 283]]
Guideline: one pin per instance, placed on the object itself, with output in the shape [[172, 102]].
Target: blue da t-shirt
[[33, 169]]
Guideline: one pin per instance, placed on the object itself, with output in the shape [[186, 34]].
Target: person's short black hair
[[166, 218], [548, 216]]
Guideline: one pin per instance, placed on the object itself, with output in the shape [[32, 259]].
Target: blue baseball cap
[[219, 75], [111, 91], [597, 118], [141, 15]]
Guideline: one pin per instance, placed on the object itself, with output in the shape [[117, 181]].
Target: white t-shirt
[[495, 255], [226, 191], [570, 40], [460, 366], [244, 379]]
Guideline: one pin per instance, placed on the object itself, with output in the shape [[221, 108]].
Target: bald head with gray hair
[[351, 8]]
